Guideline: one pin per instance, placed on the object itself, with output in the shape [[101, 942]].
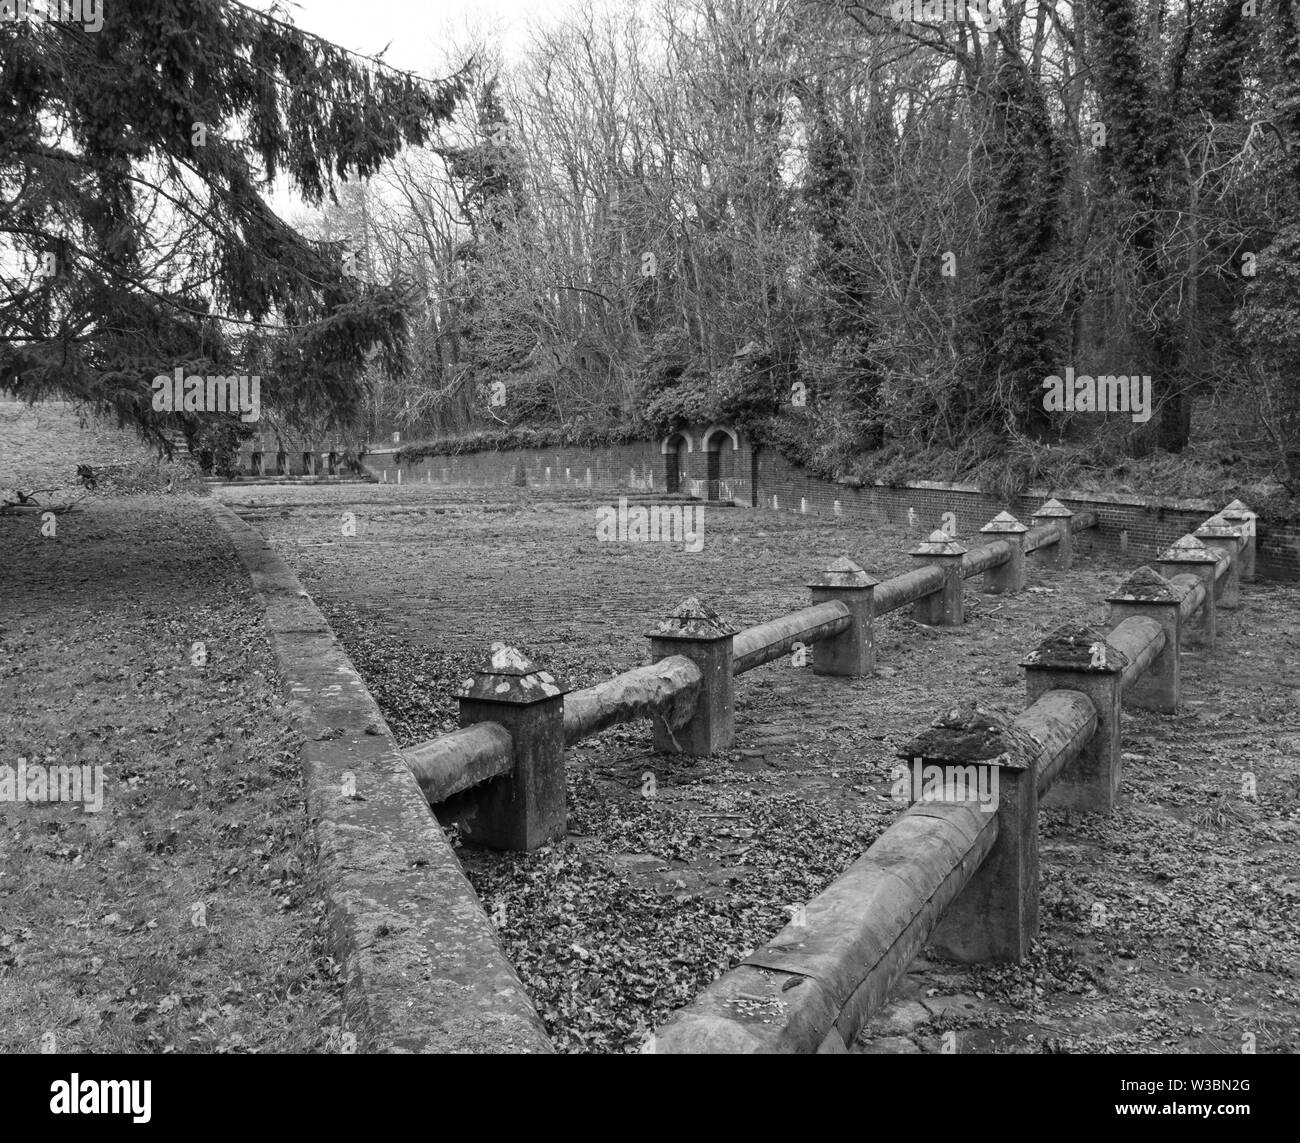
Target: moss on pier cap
[[970, 732], [1188, 550], [938, 544], [843, 572], [506, 675], [1146, 585], [693, 619], [1239, 514], [1074, 647], [1052, 507], [1217, 528], [1004, 523]]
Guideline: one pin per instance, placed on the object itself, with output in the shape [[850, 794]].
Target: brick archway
[[675, 449], [721, 460]]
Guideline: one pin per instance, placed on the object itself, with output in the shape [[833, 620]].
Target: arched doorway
[[676, 449], [720, 453]]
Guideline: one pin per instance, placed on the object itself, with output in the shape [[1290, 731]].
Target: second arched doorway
[[676, 450], [720, 446]]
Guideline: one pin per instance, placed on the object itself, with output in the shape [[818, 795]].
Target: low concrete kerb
[[423, 969]]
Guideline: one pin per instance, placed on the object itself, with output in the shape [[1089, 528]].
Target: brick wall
[[1132, 526], [642, 465], [630, 466]]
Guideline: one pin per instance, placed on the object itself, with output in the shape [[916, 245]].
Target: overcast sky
[[422, 35], [418, 29]]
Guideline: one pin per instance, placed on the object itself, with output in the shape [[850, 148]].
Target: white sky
[[417, 29], [424, 37]]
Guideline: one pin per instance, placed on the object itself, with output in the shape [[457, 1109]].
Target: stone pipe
[[1194, 593], [817, 982], [755, 646], [900, 590], [1140, 639], [983, 558], [1062, 722], [667, 688], [454, 762]]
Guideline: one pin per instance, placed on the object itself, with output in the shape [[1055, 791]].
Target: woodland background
[[1117, 183]]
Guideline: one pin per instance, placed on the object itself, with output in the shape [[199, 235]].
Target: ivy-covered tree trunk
[[844, 276], [1269, 318], [1011, 317], [1139, 132]]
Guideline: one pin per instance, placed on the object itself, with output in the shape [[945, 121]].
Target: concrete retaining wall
[[423, 968]]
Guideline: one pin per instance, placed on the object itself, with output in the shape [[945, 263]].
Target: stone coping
[[1124, 499], [423, 969]]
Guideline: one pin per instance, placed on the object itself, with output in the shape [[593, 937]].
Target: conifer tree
[[135, 236]]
